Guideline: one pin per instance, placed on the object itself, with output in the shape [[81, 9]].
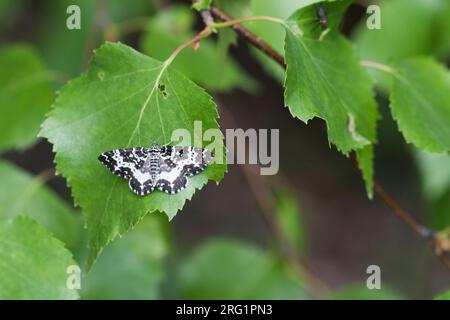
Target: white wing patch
[[124, 162]]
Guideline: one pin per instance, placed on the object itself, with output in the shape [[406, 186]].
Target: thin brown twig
[[202, 34], [46, 175], [418, 228], [423, 231], [407, 218], [250, 37]]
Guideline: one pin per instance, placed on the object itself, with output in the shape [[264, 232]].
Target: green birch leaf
[[282, 9], [365, 158], [33, 264], [226, 269], [125, 99], [319, 66], [201, 4], [420, 103], [23, 194], [25, 96]]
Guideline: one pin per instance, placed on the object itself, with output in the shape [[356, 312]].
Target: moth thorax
[[154, 148]]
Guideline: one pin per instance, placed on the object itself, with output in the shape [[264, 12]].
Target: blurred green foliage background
[[219, 246]]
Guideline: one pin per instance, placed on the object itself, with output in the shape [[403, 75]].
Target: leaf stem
[[233, 22], [377, 65], [203, 34]]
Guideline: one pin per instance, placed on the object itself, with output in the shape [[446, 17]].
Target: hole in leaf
[[162, 88]]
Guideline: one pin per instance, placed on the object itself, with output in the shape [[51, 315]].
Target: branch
[[421, 230], [206, 15], [250, 37], [418, 228]]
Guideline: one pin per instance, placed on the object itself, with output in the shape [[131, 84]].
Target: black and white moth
[[165, 168]]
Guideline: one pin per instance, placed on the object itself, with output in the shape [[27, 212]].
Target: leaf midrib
[[146, 103]]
